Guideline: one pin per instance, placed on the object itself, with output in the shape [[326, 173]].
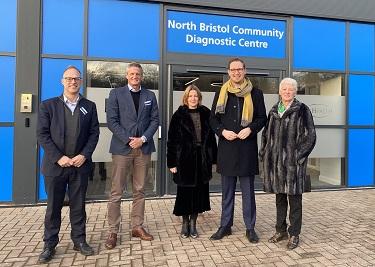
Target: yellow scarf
[[245, 92]]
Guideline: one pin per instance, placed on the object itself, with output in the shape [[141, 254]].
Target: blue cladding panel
[[7, 88], [362, 47], [42, 191], [52, 70], [6, 163], [8, 22], [122, 29], [319, 44], [361, 157], [63, 27], [361, 100]]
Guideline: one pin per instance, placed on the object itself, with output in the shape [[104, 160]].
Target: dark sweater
[[71, 131]]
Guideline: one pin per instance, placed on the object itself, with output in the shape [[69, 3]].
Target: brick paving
[[338, 230]]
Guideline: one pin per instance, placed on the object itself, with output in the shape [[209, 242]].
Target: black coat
[[286, 145], [50, 133], [181, 151], [238, 157]]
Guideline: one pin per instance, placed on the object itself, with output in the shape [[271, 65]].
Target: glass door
[[209, 80]]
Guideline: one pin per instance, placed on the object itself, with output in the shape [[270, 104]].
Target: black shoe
[[46, 255], [278, 236], [221, 232], [252, 236], [293, 242], [84, 248]]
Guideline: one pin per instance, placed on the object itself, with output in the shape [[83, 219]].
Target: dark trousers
[[228, 184], [295, 213], [56, 187]]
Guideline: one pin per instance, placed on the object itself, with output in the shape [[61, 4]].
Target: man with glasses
[[238, 113], [133, 118], [68, 131]]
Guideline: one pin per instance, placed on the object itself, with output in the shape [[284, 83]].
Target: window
[[102, 76], [324, 94]]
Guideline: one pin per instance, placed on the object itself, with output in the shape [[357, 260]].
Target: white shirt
[[132, 89], [71, 105]]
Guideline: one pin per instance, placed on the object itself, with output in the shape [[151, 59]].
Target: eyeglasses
[[70, 79], [236, 70]]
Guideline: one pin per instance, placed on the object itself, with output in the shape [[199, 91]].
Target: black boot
[[193, 225], [185, 226]]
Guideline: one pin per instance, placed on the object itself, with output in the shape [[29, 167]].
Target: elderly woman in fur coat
[[287, 140], [191, 152]]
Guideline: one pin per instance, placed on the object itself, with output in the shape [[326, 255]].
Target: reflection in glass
[[319, 83], [102, 76], [212, 81], [269, 85], [323, 93], [106, 74], [325, 172], [326, 163], [100, 181]]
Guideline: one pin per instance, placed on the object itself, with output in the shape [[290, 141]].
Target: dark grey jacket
[[286, 145], [238, 157]]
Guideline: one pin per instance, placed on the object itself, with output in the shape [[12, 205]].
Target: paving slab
[[338, 230]]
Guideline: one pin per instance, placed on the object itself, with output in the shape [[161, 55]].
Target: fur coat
[[286, 145], [181, 150]]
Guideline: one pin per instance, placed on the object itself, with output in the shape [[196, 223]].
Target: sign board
[[225, 35]]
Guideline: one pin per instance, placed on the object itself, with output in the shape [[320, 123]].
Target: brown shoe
[[141, 233], [111, 241]]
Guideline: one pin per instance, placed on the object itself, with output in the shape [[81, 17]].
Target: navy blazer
[[50, 133], [124, 122]]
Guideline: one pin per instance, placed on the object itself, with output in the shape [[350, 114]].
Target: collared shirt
[[71, 105], [133, 90]]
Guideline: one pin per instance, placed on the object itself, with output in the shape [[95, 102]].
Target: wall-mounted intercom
[[26, 103]]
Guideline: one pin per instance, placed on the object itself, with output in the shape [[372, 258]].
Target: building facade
[[327, 46]]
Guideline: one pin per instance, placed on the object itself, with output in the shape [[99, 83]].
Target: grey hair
[[134, 65], [290, 81], [72, 67]]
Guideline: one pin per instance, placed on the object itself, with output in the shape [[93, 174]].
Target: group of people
[[68, 131]]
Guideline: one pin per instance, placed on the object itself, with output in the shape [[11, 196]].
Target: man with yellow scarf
[[238, 113]]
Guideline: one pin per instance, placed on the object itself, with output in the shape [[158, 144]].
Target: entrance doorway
[[209, 80]]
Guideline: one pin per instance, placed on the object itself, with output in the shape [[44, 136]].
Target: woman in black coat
[[191, 151], [287, 140]]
